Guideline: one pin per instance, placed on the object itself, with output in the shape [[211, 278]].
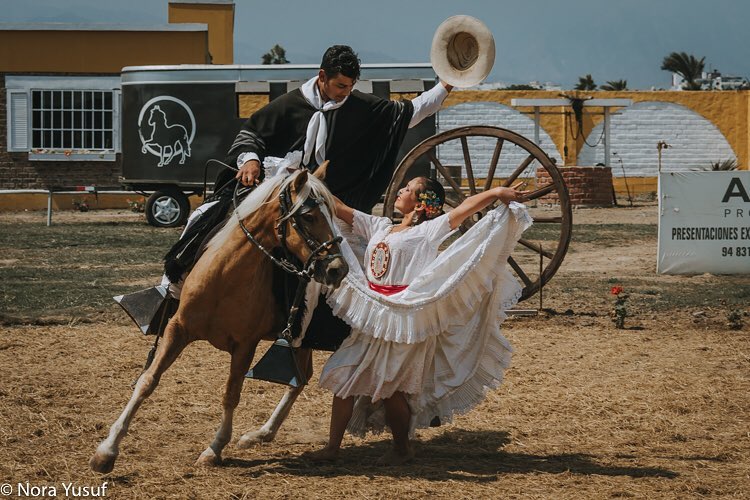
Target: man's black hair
[[340, 59]]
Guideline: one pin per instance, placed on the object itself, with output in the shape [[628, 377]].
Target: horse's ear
[[300, 180], [320, 172]]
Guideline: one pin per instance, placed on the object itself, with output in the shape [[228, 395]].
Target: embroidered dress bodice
[[398, 257]]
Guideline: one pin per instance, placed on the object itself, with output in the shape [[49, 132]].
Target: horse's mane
[[263, 194]]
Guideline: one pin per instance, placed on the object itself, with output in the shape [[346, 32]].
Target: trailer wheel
[[167, 208]]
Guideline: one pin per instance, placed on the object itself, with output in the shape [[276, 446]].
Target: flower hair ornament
[[433, 206]]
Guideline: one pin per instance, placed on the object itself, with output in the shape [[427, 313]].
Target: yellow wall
[[247, 104], [98, 51], [729, 111], [220, 20]]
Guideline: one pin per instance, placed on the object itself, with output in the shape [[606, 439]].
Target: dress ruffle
[[444, 375], [447, 291]]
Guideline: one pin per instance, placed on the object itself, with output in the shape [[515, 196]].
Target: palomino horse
[[227, 298], [171, 140]]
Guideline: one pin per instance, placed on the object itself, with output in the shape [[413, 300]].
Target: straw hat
[[463, 51]]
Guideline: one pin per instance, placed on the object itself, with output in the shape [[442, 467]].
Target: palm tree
[[685, 65], [277, 55], [615, 85], [730, 164], [585, 83]]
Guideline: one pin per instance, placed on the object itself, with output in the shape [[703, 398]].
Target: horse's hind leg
[[241, 358], [268, 432], [172, 344]]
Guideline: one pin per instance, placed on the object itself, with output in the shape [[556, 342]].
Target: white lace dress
[[438, 340]]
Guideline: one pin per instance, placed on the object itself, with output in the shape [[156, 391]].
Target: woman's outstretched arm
[[344, 211], [474, 204]]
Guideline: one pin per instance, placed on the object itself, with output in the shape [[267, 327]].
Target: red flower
[[616, 290]]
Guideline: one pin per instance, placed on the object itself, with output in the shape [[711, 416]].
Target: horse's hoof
[[103, 462], [253, 438], [208, 459]]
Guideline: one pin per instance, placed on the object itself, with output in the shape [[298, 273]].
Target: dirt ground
[[660, 409]]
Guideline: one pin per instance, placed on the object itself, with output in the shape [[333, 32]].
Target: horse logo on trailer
[[168, 129]]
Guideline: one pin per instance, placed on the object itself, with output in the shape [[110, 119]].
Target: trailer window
[[72, 120]]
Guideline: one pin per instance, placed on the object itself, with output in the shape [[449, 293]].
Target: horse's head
[[305, 226], [151, 115]]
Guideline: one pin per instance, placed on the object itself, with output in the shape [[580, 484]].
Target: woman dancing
[[425, 338]]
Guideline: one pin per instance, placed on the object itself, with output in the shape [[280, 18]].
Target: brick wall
[[587, 186], [17, 172]]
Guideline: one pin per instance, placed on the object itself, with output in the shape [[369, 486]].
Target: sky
[[535, 40]]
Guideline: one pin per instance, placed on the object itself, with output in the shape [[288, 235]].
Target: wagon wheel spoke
[[536, 247], [439, 166], [519, 170], [524, 277], [493, 164], [467, 163], [538, 193]]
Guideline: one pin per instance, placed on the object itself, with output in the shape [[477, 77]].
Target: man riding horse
[[324, 122]]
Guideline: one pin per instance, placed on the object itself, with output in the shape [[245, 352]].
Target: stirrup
[[148, 308], [278, 365]]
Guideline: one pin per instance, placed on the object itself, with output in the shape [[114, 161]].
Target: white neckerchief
[[317, 129]]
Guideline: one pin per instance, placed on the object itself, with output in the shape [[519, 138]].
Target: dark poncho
[[364, 136]]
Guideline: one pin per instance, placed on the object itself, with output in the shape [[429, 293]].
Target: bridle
[[287, 262], [305, 271]]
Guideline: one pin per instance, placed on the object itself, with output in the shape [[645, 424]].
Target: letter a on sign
[[736, 184]]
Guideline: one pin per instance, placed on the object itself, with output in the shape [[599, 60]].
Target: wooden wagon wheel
[[547, 241]]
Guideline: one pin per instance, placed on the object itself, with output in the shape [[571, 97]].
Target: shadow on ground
[[457, 455]]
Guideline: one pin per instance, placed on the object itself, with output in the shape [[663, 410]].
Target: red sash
[[386, 289]]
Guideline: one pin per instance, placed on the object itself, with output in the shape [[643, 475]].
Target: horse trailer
[[177, 118]]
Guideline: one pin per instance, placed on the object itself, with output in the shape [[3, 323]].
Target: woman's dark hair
[[427, 185], [340, 59]]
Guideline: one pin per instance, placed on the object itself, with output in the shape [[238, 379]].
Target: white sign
[[704, 222]]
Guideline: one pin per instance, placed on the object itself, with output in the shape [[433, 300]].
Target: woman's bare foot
[[323, 455], [396, 456]]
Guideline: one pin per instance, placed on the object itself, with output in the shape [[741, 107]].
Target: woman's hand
[[508, 194]]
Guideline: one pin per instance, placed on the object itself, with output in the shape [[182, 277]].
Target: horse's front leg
[[268, 431], [241, 358], [171, 346], [161, 156]]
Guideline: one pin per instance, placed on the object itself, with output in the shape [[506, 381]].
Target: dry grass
[[660, 410]]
